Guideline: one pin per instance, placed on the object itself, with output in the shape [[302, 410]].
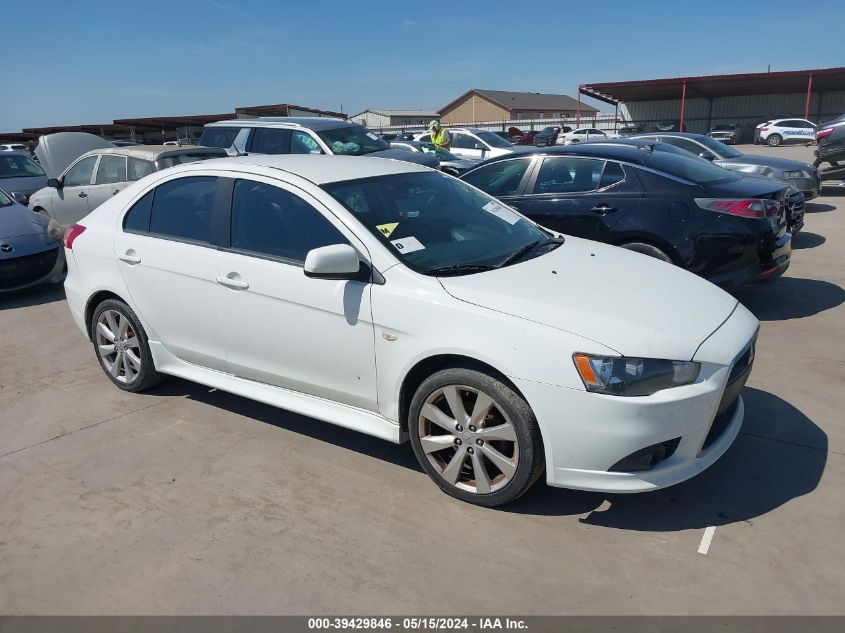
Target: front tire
[[647, 249], [122, 348], [475, 437], [774, 140]]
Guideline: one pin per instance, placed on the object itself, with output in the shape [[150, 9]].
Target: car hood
[[56, 151], [17, 220], [460, 163], [768, 161], [632, 303], [409, 157], [27, 185]]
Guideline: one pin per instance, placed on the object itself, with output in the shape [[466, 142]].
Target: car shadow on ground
[[789, 298], [32, 296], [807, 240], [779, 455], [818, 207]]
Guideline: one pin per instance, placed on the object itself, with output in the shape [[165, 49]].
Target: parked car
[[518, 137], [660, 201], [830, 137], [303, 135], [547, 136], [473, 143], [630, 130], [14, 147], [449, 163], [727, 133], [404, 303], [119, 143], [803, 176], [20, 176], [582, 134], [100, 174], [784, 131], [31, 250], [56, 151]]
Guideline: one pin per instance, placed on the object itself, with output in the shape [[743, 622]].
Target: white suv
[[473, 143], [783, 131]]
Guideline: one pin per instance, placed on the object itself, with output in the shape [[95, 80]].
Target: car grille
[[19, 271], [730, 398]]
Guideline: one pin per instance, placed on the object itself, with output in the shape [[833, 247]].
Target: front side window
[[5, 200], [80, 174], [271, 221], [182, 208], [566, 174], [501, 178], [111, 169], [304, 143], [352, 140], [222, 137], [493, 140], [684, 144], [438, 225], [138, 168], [719, 148], [464, 141], [18, 166], [270, 141]]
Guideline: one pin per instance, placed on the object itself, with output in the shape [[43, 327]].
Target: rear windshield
[[682, 164], [18, 166], [222, 137], [187, 157]]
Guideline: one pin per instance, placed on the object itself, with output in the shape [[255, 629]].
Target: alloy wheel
[[468, 439], [118, 346]]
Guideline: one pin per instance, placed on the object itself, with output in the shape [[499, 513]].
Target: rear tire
[[490, 452], [647, 249], [122, 347], [773, 140]]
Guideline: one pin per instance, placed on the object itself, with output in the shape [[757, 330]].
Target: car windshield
[[352, 140], [440, 153], [18, 166], [680, 163], [724, 128], [719, 148], [5, 200], [493, 140], [187, 157], [438, 225]]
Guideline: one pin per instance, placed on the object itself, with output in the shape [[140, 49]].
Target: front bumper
[[586, 434], [810, 187], [27, 271]]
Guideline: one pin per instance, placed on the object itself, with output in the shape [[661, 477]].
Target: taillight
[[72, 232], [823, 133], [764, 129], [749, 208]]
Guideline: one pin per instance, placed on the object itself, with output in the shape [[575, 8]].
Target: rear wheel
[[774, 140], [647, 249], [475, 437], [122, 348]]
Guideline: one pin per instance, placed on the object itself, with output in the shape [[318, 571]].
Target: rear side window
[[501, 178], [182, 209], [139, 168], [612, 174], [219, 136], [271, 221], [137, 219], [565, 174], [110, 170], [80, 174], [270, 141]]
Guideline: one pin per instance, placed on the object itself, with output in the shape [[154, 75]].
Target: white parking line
[[706, 538]]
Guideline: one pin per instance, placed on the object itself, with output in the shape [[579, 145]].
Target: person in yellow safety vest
[[440, 136]]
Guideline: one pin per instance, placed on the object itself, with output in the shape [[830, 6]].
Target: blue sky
[[93, 61]]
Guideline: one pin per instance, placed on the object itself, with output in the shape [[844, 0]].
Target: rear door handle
[[129, 257], [235, 284], [603, 208], [82, 194]]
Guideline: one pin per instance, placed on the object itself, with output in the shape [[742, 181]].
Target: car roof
[[315, 123], [16, 152], [317, 168], [695, 137], [631, 151], [154, 152]]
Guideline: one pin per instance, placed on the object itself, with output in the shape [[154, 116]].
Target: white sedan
[[395, 300], [582, 134]]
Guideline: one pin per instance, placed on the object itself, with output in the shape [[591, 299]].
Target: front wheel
[[475, 437], [774, 140]]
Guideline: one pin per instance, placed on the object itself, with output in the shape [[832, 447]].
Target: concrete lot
[[187, 501]]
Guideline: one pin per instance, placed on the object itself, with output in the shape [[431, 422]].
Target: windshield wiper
[[513, 257], [458, 269]]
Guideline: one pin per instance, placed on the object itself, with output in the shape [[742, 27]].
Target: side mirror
[[480, 146], [338, 261], [19, 197], [55, 183], [707, 155]]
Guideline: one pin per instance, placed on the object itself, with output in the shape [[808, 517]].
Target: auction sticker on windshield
[[501, 211], [387, 229], [407, 245]]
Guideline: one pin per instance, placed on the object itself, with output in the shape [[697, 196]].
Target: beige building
[[477, 106], [384, 118]]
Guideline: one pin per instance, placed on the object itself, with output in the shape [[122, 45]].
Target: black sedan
[[548, 135], [726, 227]]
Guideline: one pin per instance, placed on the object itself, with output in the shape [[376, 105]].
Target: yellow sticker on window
[[387, 229]]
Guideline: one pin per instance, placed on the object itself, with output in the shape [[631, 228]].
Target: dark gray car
[[802, 176], [449, 163], [20, 176]]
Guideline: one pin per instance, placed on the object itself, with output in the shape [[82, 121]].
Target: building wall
[[419, 119], [472, 109], [371, 119]]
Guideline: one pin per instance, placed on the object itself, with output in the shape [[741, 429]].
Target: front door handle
[[603, 208], [235, 284], [82, 194], [129, 257]]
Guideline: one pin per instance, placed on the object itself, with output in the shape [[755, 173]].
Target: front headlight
[[54, 231], [620, 376], [795, 173]]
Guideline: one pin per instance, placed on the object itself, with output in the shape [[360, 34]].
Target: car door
[[70, 203], [580, 196], [464, 145], [109, 179], [309, 335], [503, 179], [167, 252]]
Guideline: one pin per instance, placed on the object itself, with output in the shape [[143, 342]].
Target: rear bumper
[[19, 273]]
